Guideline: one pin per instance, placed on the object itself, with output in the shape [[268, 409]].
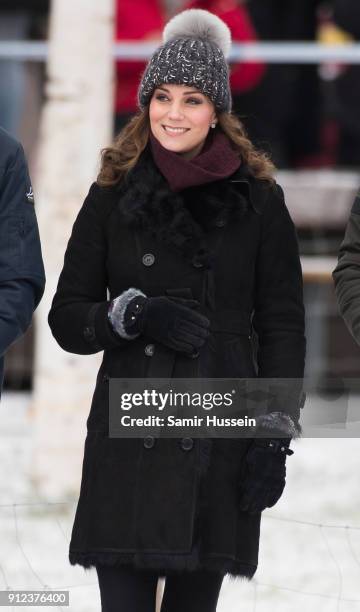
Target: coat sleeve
[[278, 317], [78, 317], [346, 275], [22, 277]]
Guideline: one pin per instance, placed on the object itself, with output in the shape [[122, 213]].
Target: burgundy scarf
[[217, 160]]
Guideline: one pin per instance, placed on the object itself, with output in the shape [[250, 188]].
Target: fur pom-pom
[[197, 23]]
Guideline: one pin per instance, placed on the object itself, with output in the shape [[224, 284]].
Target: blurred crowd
[[305, 116]]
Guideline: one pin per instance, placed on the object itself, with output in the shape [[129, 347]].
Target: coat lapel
[[147, 202]]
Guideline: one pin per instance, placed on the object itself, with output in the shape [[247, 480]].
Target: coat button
[[149, 350], [194, 355], [196, 263], [148, 259], [106, 377], [187, 444], [89, 333], [220, 222], [149, 441]]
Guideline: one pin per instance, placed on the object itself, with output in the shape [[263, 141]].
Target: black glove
[[169, 320], [263, 479]]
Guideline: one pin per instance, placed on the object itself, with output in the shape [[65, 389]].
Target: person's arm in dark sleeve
[[279, 319], [279, 322], [346, 275], [79, 315], [22, 277]]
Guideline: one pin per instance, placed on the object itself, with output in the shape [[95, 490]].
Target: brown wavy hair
[[118, 159]]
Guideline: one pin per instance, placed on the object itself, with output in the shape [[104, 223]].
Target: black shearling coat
[[231, 245]]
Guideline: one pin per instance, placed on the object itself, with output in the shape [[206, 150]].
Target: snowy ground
[[309, 549]]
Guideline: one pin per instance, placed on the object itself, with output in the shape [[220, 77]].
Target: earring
[[213, 125]]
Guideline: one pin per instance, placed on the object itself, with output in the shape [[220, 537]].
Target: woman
[[189, 233]]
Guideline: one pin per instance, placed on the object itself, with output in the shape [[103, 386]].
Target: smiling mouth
[[173, 130]]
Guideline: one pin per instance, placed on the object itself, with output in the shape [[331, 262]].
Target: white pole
[[76, 123]]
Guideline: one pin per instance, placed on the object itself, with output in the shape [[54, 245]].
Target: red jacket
[[141, 20]]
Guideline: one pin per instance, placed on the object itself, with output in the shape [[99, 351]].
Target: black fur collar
[[182, 219]]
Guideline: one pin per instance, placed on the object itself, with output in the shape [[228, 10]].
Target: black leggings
[[124, 589]]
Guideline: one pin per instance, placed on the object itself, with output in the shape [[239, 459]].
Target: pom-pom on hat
[[195, 44]]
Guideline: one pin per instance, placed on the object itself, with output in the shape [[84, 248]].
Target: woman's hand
[[263, 479], [173, 321], [169, 320]]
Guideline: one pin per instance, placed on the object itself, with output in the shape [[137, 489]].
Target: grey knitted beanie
[[196, 43]]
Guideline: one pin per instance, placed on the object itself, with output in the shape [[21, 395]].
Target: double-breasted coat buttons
[[149, 350], [149, 442], [187, 444], [148, 259], [196, 263]]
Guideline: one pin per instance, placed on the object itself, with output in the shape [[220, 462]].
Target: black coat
[[231, 245]]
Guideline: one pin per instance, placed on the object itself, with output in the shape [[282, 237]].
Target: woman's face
[[180, 118]]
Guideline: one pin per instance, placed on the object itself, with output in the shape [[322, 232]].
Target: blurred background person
[[286, 116], [347, 87]]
